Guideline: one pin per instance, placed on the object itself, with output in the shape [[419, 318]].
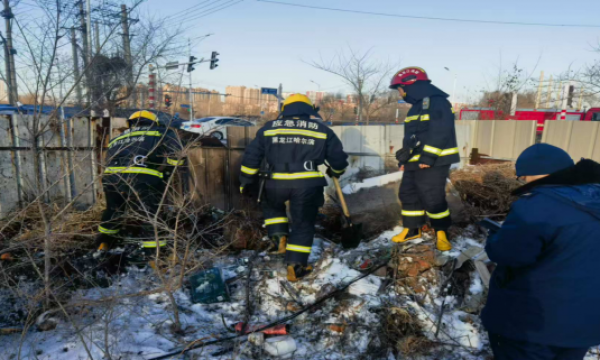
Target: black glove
[[403, 155], [331, 173], [246, 187]]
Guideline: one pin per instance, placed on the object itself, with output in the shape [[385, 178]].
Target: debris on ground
[[388, 314], [485, 190]]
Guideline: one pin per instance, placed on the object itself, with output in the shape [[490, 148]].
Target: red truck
[[541, 115]]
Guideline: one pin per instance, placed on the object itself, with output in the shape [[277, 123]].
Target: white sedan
[[215, 126]]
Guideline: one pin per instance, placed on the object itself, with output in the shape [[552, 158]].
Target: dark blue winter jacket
[[546, 288]]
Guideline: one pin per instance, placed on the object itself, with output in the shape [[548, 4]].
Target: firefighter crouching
[[138, 165], [429, 149], [294, 146]]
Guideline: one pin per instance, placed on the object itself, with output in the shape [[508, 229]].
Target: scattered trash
[[283, 346], [8, 331], [47, 322], [257, 338], [208, 287], [339, 328], [276, 330]]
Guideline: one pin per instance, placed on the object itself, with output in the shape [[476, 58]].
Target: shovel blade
[[351, 236]]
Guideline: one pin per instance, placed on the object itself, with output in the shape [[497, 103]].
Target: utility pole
[[279, 97], [97, 37], [13, 93], [191, 90], [549, 95], [538, 96], [558, 94], [7, 76], [127, 53], [76, 67], [152, 88], [86, 53]]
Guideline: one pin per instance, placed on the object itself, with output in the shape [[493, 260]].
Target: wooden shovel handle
[[340, 194]]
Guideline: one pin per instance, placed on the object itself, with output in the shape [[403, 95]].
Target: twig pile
[[486, 190]]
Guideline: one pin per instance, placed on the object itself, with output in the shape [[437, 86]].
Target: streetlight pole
[[454, 87]]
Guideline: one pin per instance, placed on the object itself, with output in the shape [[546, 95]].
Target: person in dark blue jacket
[[544, 295]]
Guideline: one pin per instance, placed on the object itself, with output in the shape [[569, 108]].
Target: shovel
[[351, 233]]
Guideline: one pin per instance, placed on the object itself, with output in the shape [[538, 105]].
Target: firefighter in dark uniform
[[429, 149], [138, 165], [294, 146]]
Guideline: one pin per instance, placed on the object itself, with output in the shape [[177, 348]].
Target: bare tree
[[366, 77]]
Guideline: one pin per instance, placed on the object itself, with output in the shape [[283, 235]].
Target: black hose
[[192, 345]]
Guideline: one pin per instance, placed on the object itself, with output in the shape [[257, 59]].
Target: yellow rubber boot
[[296, 272], [407, 234], [282, 245], [442, 242]]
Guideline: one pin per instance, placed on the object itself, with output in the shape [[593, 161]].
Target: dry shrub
[[485, 190], [73, 228], [401, 331]]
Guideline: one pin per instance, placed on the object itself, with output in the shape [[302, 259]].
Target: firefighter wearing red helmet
[[429, 149]]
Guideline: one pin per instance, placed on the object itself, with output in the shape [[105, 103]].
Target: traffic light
[[355, 110], [190, 67], [168, 101], [214, 60]]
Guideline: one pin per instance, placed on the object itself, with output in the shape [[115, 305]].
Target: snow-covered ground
[[111, 323]]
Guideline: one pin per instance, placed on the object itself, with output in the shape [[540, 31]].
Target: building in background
[[315, 96], [236, 94], [252, 96]]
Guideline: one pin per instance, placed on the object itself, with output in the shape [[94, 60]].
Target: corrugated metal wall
[[581, 139]]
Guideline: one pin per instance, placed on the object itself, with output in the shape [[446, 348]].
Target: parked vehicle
[[540, 115], [215, 126]]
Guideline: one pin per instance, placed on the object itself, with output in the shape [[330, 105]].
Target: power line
[[211, 11], [430, 18], [185, 11], [191, 14]]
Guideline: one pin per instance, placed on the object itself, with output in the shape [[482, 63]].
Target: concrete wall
[[581, 139]]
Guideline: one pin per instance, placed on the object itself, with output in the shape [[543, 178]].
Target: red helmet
[[408, 76]]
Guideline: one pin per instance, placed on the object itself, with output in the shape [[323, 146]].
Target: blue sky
[[265, 44]]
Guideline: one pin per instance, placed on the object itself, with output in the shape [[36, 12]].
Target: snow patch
[[372, 182]]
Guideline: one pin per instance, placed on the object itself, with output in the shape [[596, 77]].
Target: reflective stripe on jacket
[[294, 147], [431, 122], [144, 150]]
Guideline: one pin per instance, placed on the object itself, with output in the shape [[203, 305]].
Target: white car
[[215, 126]]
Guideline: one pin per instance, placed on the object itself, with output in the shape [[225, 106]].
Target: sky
[[264, 44]]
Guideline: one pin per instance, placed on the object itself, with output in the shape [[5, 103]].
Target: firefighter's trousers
[[304, 207], [423, 194], [137, 195]]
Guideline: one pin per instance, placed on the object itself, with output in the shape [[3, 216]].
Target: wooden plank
[[215, 174], [239, 201], [237, 136], [252, 133], [197, 171]]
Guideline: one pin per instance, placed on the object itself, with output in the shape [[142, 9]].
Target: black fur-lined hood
[[578, 185]]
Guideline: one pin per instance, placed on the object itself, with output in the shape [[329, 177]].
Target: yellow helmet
[[297, 98], [144, 114]]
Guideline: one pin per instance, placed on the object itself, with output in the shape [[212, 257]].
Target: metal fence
[[62, 165], [47, 158], [581, 139]]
